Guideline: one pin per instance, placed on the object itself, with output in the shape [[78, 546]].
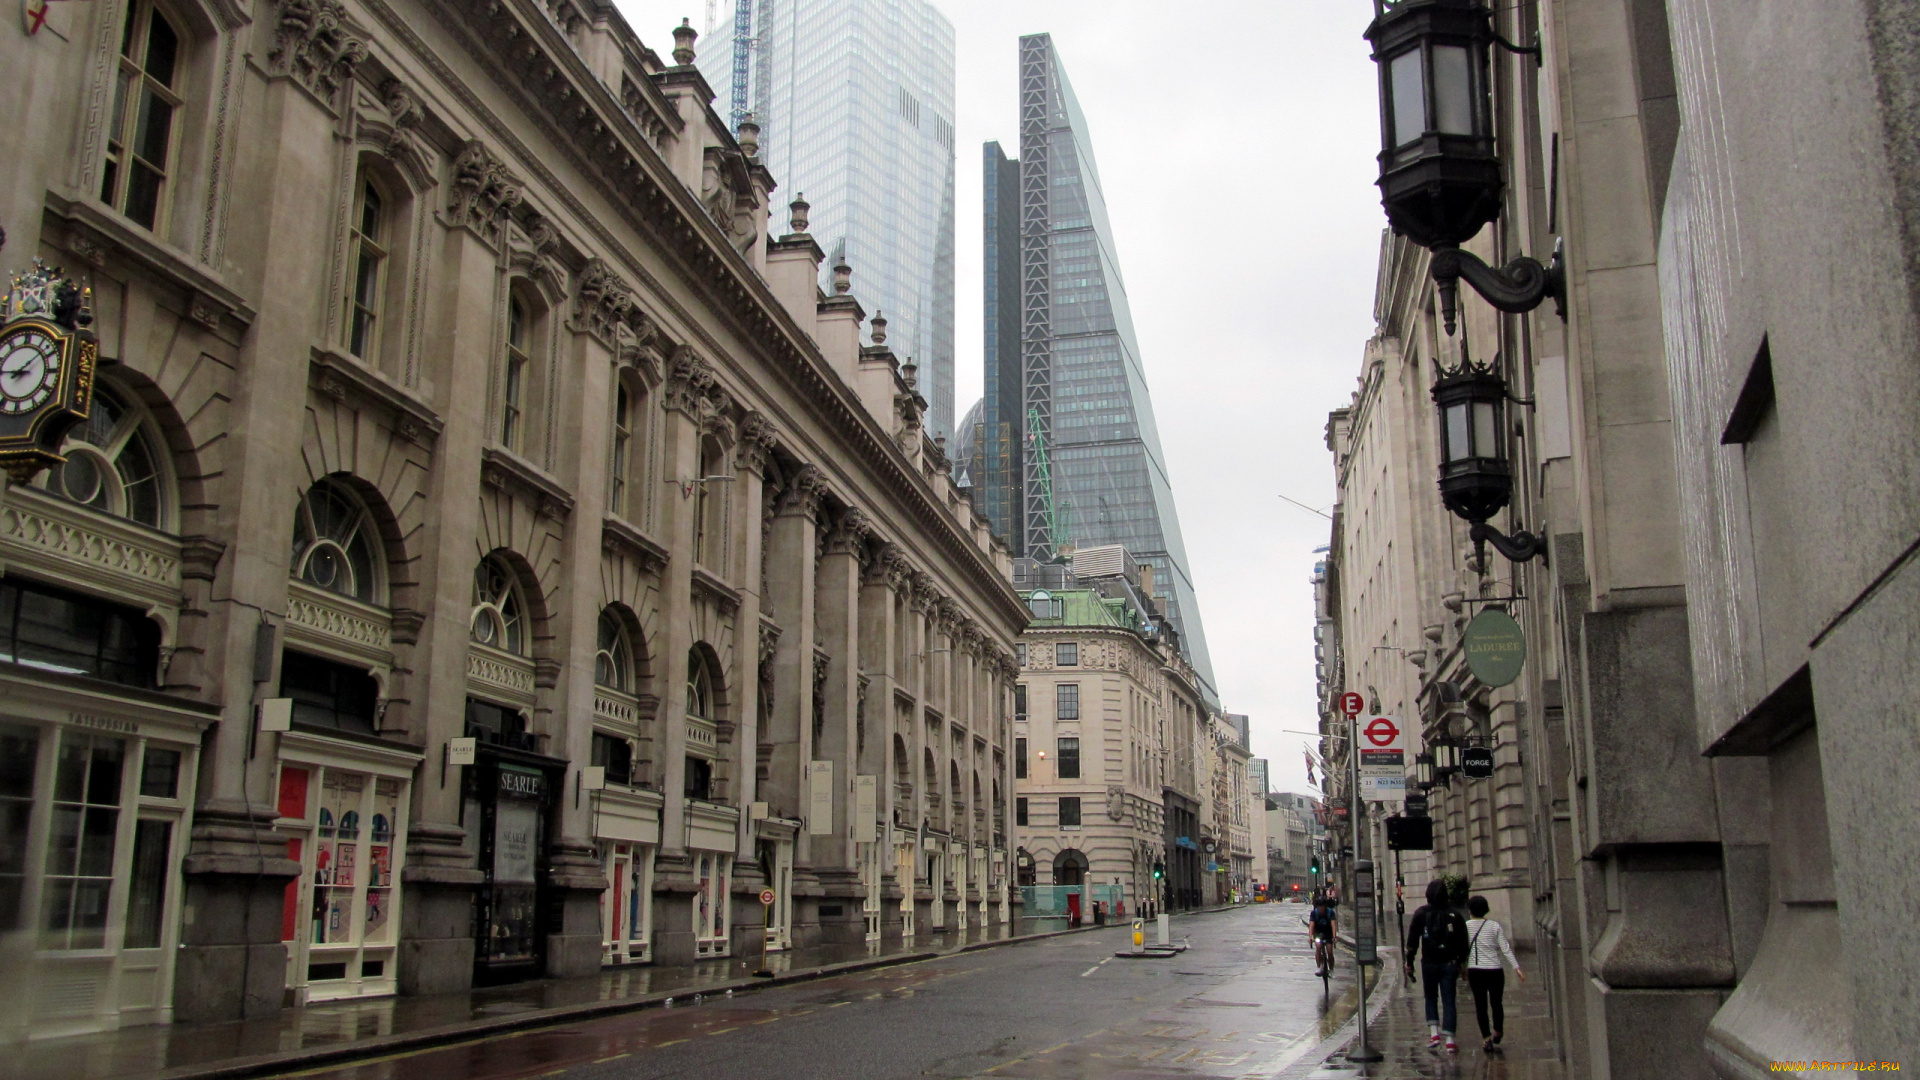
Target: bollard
[[1161, 920], [1139, 936]]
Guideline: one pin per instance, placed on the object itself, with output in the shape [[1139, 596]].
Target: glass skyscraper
[[855, 101], [1066, 450]]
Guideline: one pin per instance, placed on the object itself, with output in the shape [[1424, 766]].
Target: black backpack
[[1440, 938]]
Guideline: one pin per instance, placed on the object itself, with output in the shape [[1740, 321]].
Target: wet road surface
[[1243, 1002]]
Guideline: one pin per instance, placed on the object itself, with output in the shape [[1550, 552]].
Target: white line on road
[[1094, 968]]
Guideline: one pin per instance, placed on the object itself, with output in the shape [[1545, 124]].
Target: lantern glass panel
[[1452, 90], [1457, 448], [1409, 86], [1486, 429]]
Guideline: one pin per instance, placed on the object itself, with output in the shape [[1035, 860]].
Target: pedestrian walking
[[1437, 936], [1486, 946]]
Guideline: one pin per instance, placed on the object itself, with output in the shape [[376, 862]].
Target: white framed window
[[613, 657], [146, 99], [514, 374], [114, 462], [712, 902], [333, 543], [368, 245]]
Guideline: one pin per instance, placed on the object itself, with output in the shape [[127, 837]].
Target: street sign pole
[[766, 924], [1365, 946], [1362, 874]]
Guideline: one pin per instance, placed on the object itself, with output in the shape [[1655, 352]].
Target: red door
[[1073, 909]]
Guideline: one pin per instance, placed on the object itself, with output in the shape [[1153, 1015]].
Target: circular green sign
[[1495, 648]]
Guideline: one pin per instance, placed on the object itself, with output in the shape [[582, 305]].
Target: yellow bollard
[[1139, 936]]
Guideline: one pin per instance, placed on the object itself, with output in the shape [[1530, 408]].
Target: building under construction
[[1062, 450]]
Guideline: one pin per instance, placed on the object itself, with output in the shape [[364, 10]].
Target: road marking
[[1094, 968], [611, 1057], [670, 1042], [719, 1031], [768, 1020]]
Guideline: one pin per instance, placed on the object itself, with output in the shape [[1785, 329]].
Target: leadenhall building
[[489, 553]]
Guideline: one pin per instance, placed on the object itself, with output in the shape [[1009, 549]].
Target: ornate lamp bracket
[[1520, 547], [1518, 287]]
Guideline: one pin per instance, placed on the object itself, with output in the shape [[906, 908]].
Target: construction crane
[[742, 50], [1055, 522]]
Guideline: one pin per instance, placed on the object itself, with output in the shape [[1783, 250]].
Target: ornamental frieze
[[483, 193]]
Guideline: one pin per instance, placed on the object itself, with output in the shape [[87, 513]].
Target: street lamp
[[1475, 480], [1446, 759], [1423, 770], [1440, 177]]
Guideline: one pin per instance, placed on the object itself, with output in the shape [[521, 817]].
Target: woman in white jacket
[[1486, 946]]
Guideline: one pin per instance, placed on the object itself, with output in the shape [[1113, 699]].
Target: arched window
[[513, 377], [333, 538], [367, 246], [498, 617], [146, 94], [613, 658], [699, 686], [113, 462]]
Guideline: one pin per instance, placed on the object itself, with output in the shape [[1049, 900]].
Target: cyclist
[[1321, 926]]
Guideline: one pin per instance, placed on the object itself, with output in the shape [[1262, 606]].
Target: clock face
[[29, 370]]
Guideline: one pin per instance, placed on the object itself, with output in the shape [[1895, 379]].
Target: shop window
[[1069, 758], [1069, 811], [1067, 654], [328, 694], [55, 630], [339, 919], [699, 779], [113, 462], [19, 761], [147, 892], [1066, 701], [491, 723], [160, 774], [711, 911], [146, 95], [80, 843], [614, 755], [1019, 759], [498, 618], [333, 543], [1020, 811]]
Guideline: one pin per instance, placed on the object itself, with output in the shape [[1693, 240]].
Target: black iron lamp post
[[1446, 760], [1440, 177], [1423, 770], [1475, 480]]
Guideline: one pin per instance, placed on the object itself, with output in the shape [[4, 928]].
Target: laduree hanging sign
[[1495, 648]]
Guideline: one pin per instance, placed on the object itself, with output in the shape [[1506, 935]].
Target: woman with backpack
[[1438, 937], [1486, 945]]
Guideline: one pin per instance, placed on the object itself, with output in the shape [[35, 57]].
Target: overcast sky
[[1235, 142]]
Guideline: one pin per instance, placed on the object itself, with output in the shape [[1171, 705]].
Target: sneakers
[[1433, 1042], [1452, 1047]]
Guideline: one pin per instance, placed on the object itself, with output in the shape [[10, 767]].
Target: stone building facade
[[1711, 737], [491, 554], [1107, 715]]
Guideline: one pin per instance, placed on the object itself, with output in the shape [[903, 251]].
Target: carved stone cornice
[[601, 301], [315, 43], [483, 194], [620, 539], [946, 616], [755, 446], [724, 596], [925, 594], [888, 567], [200, 557], [340, 377], [691, 387], [805, 492], [503, 470]]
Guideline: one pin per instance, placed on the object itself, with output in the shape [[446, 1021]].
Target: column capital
[[754, 449], [804, 493]]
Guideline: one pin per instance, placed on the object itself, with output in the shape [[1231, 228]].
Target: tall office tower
[[855, 101], [1066, 450]]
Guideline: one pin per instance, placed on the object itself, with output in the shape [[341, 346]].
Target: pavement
[[1243, 1003]]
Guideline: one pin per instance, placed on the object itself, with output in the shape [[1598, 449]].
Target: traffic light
[[1296, 887], [1159, 871], [1313, 867], [1410, 833]]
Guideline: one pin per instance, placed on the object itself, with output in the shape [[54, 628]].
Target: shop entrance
[[508, 802]]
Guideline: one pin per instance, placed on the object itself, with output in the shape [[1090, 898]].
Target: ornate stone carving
[[925, 594], [332, 617], [946, 615], [805, 492], [314, 44], [849, 533], [691, 387], [769, 638], [484, 194], [755, 446], [501, 672], [602, 301], [103, 546]]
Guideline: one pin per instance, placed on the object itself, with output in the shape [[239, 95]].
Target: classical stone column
[[880, 587], [790, 599], [751, 453], [919, 643], [837, 616], [687, 397]]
